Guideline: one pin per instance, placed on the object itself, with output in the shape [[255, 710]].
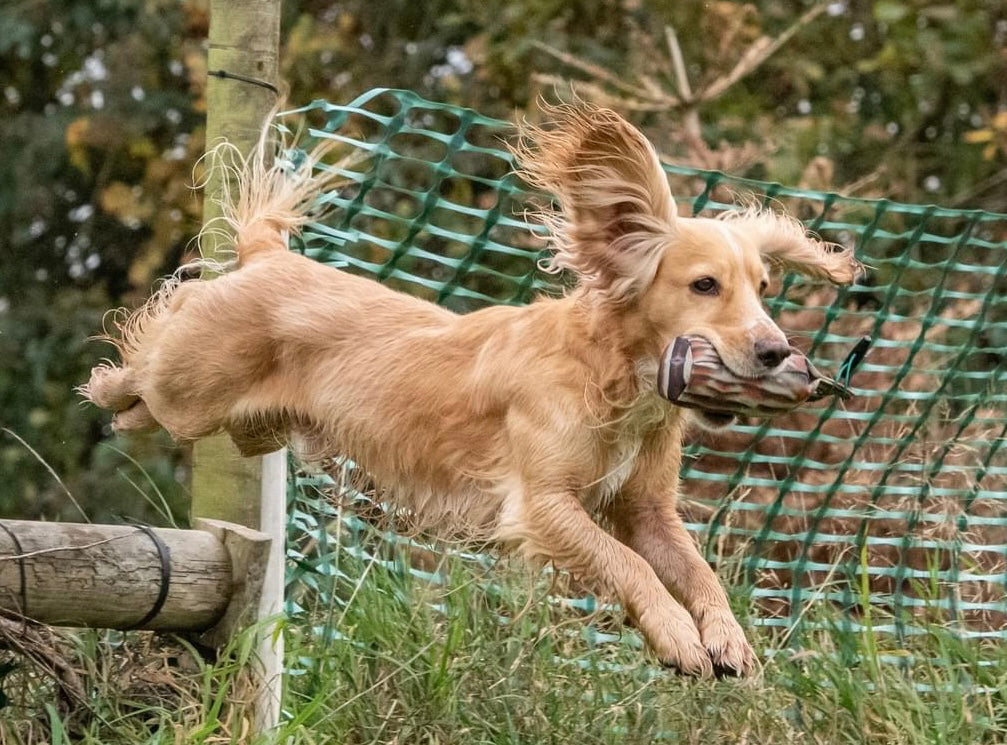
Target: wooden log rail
[[128, 577]]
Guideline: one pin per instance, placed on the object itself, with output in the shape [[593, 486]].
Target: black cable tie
[[225, 75], [164, 554], [853, 360], [19, 552]]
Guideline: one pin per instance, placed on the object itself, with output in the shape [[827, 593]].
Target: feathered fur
[[615, 214], [786, 245]]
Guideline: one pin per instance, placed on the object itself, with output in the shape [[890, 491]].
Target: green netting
[[897, 499]]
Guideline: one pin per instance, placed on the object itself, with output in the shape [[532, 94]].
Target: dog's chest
[[624, 448], [621, 462]]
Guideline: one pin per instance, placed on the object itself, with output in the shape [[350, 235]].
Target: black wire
[[164, 554], [225, 75]]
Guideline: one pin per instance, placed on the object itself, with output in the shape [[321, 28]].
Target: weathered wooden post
[[244, 42], [228, 572], [205, 581]]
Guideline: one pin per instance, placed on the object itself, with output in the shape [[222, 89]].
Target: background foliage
[[101, 121]]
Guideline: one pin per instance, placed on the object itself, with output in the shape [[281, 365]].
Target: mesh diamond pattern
[[893, 503]]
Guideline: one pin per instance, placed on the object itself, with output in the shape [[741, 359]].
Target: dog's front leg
[[557, 527], [652, 527]]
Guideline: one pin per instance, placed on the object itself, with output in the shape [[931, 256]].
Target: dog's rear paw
[[137, 418], [725, 641], [110, 387]]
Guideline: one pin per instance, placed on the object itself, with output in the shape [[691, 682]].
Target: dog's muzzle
[[693, 375]]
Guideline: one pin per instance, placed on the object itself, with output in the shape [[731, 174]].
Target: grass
[[380, 656]]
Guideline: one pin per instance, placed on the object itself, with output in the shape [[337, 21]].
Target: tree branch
[[760, 50]]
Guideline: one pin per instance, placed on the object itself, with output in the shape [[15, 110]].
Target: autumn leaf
[[127, 203], [979, 135], [994, 136], [76, 143]]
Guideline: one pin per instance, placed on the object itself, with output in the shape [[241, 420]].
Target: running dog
[[524, 424]]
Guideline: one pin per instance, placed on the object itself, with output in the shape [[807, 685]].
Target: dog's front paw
[[726, 644], [673, 636]]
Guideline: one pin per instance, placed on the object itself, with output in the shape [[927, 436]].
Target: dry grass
[[379, 655]]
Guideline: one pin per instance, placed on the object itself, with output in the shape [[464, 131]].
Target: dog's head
[[618, 230]]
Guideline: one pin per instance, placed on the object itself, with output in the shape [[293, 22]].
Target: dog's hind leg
[[557, 527], [114, 388], [259, 435]]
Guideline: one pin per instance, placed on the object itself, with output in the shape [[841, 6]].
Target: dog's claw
[[699, 665], [677, 669], [725, 642], [721, 671], [726, 671]]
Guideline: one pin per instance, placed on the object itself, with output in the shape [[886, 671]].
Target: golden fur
[[520, 423]]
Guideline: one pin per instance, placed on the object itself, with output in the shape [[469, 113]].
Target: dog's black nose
[[771, 352]]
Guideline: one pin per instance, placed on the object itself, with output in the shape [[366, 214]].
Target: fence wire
[[895, 502]]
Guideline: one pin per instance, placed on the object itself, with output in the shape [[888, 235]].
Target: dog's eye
[[705, 286], [763, 286]]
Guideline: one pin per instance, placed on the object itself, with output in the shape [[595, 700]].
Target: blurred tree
[[98, 134], [878, 96], [101, 124]]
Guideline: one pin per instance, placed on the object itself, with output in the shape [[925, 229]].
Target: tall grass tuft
[[393, 658]]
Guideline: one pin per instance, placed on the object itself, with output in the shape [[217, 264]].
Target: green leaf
[[890, 12]]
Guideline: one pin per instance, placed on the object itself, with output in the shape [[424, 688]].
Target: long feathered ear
[[786, 245], [616, 211]]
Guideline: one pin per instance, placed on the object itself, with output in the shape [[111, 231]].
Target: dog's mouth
[[741, 368], [715, 419]]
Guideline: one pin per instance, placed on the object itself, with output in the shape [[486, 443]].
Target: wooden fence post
[[206, 580], [244, 41]]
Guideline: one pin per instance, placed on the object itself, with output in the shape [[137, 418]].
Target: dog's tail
[[272, 192], [264, 197]]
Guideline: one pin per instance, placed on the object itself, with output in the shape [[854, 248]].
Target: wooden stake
[[249, 556], [244, 45], [126, 577], [241, 92]]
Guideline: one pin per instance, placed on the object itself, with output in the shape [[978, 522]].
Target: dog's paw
[[725, 642], [109, 387], [691, 660], [137, 418], [673, 636]]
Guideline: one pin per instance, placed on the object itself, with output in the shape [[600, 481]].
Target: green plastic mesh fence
[[894, 503]]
